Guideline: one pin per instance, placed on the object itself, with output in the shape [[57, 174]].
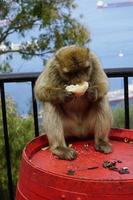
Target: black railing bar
[[31, 76], [35, 110], [119, 72], [18, 77], [6, 141], [126, 103]]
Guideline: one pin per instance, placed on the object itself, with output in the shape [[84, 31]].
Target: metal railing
[[125, 73], [10, 78]]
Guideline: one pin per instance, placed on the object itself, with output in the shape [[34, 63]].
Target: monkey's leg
[[102, 127], [55, 133]]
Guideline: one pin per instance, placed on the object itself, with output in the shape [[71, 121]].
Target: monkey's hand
[[54, 95], [60, 95], [97, 92], [92, 94], [65, 96]]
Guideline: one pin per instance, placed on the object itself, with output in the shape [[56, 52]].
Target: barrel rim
[[115, 134]]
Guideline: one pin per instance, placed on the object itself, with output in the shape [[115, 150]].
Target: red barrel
[[44, 177]]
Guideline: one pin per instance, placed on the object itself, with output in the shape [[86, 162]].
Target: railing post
[[35, 112], [126, 103], [6, 140]]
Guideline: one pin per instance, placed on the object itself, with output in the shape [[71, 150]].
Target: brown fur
[[64, 113]]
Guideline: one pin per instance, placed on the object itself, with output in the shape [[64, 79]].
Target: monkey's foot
[[104, 147], [65, 153]]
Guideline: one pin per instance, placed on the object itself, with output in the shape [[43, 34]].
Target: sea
[[111, 31]]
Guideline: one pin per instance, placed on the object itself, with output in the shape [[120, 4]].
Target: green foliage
[[119, 117], [21, 130], [48, 24], [5, 67]]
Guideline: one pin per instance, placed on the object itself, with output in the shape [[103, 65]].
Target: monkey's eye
[[69, 73]]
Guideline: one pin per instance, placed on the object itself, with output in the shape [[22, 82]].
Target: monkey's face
[[74, 65]]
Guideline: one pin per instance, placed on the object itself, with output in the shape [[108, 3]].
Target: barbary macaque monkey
[[74, 88]]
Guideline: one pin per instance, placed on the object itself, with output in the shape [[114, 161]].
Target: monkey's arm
[[49, 88], [98, 80]]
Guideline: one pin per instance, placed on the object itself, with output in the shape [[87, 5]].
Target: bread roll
[[78, 89]]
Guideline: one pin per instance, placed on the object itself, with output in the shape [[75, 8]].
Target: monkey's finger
[[65, 153], [69, 96], [92, 94]]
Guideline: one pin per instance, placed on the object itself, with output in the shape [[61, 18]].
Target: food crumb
[[45, 148], [126, 140], [111, 165], [70, 145], [71, 172], [123, 170], [93, 167]]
